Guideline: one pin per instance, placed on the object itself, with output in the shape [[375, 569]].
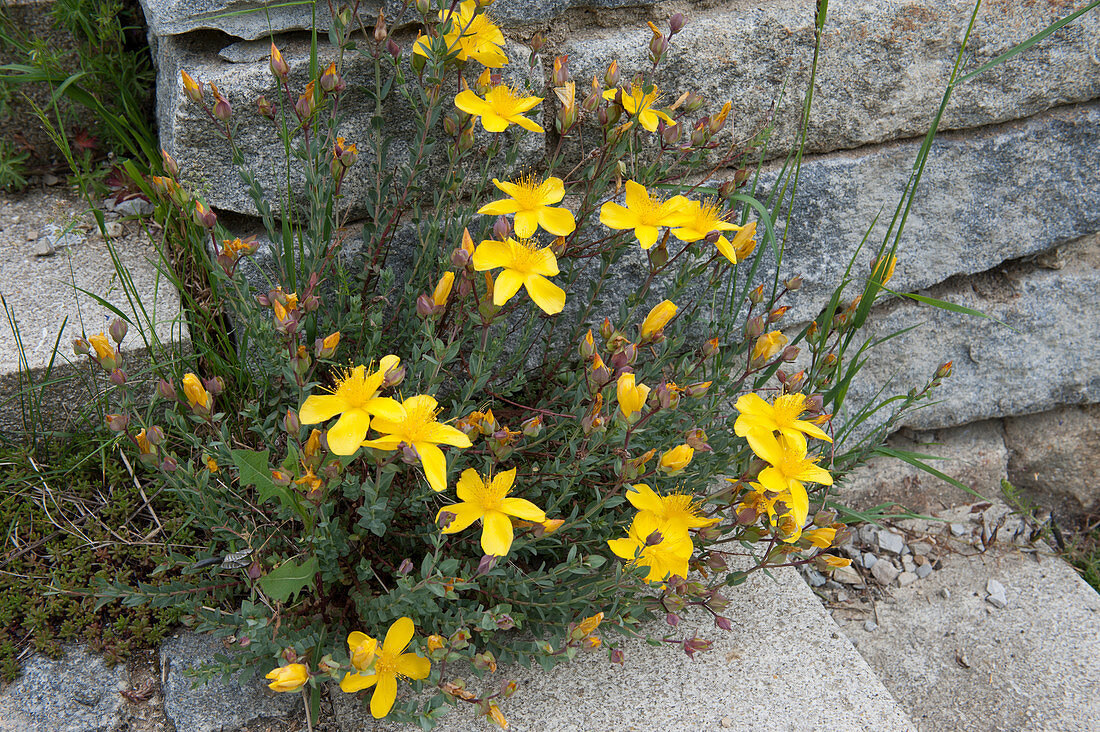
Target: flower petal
[[507, 285], [465, 514], [435, 465], [496, 534], [625, 548], [385, 442], [413, 666], [557, 221], [502, 482], [320, 407], [765, 446], [385, 694], [614, 216], [388, 409], [548, 296], [499, 208], [527, 222], [522, 508], [553, 190], [471, 103], [811, 429], [511, 189], [773, 480], [491, 254], [647, 235], [469, 485], [644, 498], [525, 123], [726, 249], [816, 474], [345, 437], [352, 683], [445, 434], [398, 636], [493, 122]]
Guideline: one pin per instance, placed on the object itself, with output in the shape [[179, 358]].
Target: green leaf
[[288, 579], [944, 305], [253, 469], [916, 459]]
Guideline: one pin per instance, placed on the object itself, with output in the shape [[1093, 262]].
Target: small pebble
[[907, 578], [114, 229], [924, 570], [884, 572], [842, 596], [891, 542], [727, 722], [32, 235], [868, 534], [815, 578], [958, 529], [945, 593], [50, 179], [15, 219], [42, 248], [908, 564], [920, 548], [870, 626], [847, 575], [997, 597], [832, 585]]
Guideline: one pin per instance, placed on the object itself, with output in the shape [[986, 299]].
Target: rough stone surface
[[825, 685], [1047, 360], [204, 156], [1055, 469], [76, 693], [884, 572], [1034, 665], [973, 454], [217, 705], [891, 542], [882, 72], [41, 294], [986, 196], [247, 18]]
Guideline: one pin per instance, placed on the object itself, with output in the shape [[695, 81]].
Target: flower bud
[[406, 567], [393, 49], [531, 427], [191, 87], [676, 23], [502, 229], [280, 478], [169, 163], [778, 313], [698, 389], [117, 377], [672, 619], [166, 390], [394, 376], [675, 460], [443, 290], [204, 217], [327, 346], [381, 33], [699, 132], [768, 346], [790, 353], [710, 348], [486, 564], [719, 119], [330, 80], [169, 465], [265, 108], [278, 64], [423, 6], [670, 133], [81, 347], [117, 422], [694, 102], [291, 422], [944, 370], [754, 327], [424, 308], [118, 329], [656, 320], [222, 110], [723, 622], [794, 284]]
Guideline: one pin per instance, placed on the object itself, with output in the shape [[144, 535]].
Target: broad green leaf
[[254, 471], [289, 578]]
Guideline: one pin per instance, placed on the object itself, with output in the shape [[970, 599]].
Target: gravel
[[891, 542], [997, 597], [884, 572]]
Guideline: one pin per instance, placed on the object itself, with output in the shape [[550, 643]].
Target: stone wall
[[1005, 220]]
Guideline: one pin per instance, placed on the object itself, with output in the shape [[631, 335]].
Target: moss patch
[[68, 519]]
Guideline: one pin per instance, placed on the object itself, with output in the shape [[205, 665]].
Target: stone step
[[1001, 635], [50, 248], [785, 665]]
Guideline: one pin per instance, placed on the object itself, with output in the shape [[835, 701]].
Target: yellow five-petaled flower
[[490, 503], [530, 200], [638, 104], [418, 428], [355, 398], [654, 544], [524, 265], [782, 416], [500, 107], [643, 213], [471, 35], [390, 662]]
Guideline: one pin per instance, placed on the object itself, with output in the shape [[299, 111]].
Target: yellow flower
[[291, 677], [390, 663], [197, 396], [419, 428], [742, 245], [643, 213], [103, 350], [362, 649], [763, 502], [675, 460], [822, 538], [212, 464], [789, 467], [768, 345], [524, 265], [500, 107], [472, 35], [143, 443], [882, 269], [701, 218], [490, 503], [331, 341], [657, 319], [782, 417], [530, 201], [443, 289], [656, 545], [632, 397], [355, 398], [638, 104], [833, 562], [191, 87], [680, 511], [498, 716]]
